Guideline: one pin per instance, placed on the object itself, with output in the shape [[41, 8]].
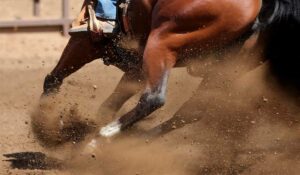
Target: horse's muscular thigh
[[202, 23], [194, 8], [193, 14]]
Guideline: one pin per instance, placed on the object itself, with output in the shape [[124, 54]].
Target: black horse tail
[[279, 21]]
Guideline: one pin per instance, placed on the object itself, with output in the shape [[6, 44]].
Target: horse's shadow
[[33, 161]]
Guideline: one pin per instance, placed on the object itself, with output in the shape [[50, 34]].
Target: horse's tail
[[280, 21]]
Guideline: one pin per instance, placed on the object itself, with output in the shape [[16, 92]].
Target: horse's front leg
[[158, 60], [79, 51]]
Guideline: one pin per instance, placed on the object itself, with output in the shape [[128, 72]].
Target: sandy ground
[[246, 126], [22, 73], [242, 127]]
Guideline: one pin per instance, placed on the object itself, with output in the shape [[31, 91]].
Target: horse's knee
[[51, 84]]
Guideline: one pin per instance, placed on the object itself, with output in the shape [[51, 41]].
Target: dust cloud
[[239, 121]]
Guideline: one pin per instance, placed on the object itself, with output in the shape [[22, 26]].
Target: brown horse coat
[[166, 29]]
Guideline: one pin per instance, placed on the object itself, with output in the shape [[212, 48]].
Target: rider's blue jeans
[[106, 9]]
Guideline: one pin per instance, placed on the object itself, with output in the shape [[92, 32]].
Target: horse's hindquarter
[[202, 23], [176, 24]]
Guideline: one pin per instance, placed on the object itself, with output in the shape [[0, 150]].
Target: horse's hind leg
[[129, 85], [79, 51], [158, 59]]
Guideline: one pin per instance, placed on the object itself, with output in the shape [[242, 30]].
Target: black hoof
[[51, 84]]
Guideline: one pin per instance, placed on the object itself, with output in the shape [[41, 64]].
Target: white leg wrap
[[111, 129]]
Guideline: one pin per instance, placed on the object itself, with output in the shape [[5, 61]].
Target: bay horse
[[166, 32]]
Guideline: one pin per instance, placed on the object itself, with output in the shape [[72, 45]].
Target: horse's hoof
[[51, 84], [111, 129]]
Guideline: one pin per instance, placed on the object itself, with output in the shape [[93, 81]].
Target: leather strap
[[125, 17]]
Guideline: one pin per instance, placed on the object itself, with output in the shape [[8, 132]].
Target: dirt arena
[[238, 124]]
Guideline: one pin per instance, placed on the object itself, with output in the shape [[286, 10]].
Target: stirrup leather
[[125, 17]]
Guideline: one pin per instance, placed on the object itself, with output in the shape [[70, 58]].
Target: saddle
[[88, 15]]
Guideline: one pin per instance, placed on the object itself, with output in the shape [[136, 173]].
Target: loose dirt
[[247, 125]]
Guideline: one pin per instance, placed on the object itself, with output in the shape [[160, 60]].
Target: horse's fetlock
[[157, 101]]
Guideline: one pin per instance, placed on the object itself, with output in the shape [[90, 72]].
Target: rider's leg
[[106, 9]]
